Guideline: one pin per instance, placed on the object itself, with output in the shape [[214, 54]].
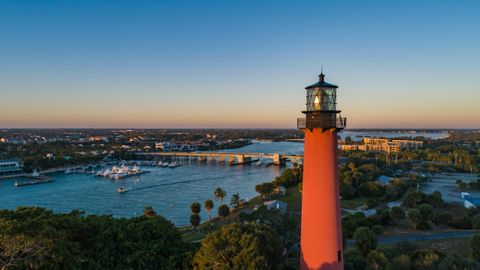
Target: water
[[169, 191]]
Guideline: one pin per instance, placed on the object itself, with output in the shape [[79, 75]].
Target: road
[[420, 237]]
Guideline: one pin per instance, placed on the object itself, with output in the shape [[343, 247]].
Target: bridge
[[233, 158]]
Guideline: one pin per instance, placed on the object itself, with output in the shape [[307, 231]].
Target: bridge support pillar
[[278, 160]]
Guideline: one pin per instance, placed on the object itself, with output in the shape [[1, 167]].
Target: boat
[[165, 164], [122, 189], [173, 165]]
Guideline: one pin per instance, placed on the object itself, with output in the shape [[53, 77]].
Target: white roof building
[[278, 205]]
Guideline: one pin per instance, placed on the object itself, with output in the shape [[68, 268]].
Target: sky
[[237, 64]]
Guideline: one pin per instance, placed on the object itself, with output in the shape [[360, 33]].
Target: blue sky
[[237, 63]]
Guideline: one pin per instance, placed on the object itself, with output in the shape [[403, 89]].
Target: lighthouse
[[321, 230]]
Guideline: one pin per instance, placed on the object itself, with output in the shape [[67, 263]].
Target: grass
[[352, 204]]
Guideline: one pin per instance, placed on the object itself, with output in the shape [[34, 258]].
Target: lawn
[[353, 204]]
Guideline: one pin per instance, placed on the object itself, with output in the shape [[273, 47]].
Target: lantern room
[[322, 96], [321, 107]]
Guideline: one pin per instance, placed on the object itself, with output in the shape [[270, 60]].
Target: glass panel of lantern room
[[328, 99]]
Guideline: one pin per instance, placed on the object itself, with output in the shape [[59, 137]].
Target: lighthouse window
[[321, 99]]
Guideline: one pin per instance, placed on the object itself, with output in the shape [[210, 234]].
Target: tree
[[195, 220], [426, 210], [44, 240], [414, 217], [220, 194], [149, 212], [235, 201], [475, 246], [436, 199], [240, 246], [371, 189], [365, 240], [412, 199], [195, 208], [223, 210], [376, 260], [209, 206], [397, 214], [264, 189]]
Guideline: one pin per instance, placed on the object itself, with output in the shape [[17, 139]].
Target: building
[[174, 147], [10, 167], [321, 245], [383, 145], [384, 180], [278, 205], [469, 201]]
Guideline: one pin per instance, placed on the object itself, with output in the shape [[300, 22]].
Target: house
[[384, 180], [279, 205]]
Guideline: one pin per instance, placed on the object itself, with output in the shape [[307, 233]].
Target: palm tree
[[195, 207], [220, 194], [209, 207], [235, 201]]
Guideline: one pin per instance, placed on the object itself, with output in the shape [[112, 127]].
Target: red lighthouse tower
[[321, 230]]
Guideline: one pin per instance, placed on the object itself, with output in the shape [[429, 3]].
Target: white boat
[[122, 189], [173, 165]]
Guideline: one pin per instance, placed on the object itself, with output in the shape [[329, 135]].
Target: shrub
[[475, 222]]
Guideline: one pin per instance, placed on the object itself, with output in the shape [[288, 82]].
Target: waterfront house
[[10, 167]]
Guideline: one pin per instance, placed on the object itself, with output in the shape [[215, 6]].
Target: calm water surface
[[169, 191]]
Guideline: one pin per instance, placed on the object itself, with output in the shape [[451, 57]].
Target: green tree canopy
[[414, 218], [240, 246], [365, 240]]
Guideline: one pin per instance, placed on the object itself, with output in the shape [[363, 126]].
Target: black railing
[[314, 122]]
